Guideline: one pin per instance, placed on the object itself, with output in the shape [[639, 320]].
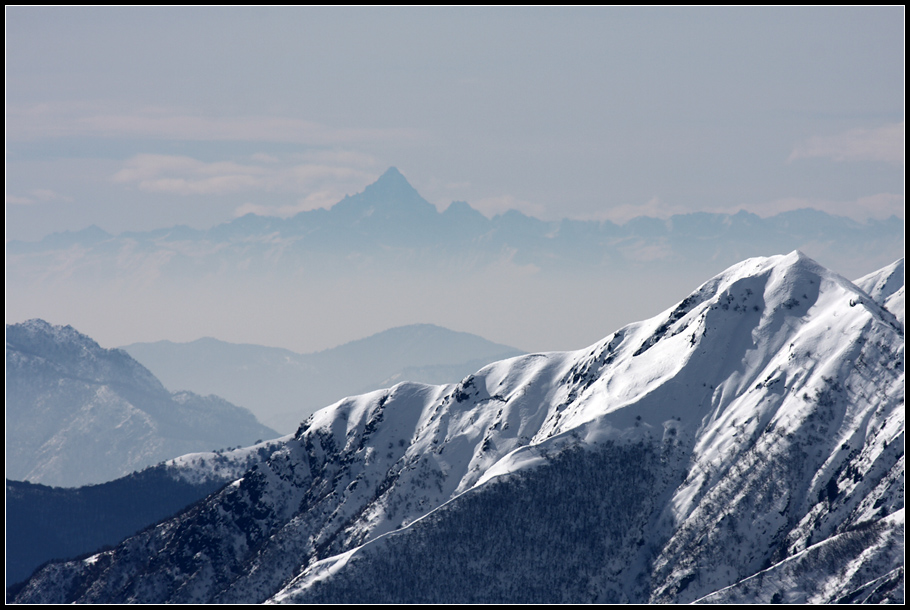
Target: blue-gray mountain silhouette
[[282, 387], [391, 223]]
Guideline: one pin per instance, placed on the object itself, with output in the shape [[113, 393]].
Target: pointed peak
[[391, 174], [392, 182], [391, 191]]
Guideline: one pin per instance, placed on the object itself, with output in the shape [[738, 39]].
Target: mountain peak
[[392, 184], [393, 174], [754, 429], [77, 354], [391, 193], [40, 331]]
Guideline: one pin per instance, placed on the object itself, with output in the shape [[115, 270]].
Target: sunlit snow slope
[[78, 414], [755, 428]]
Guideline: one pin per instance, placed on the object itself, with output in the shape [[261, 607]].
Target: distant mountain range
[[78, 414], [386, 257], [744, 446], [390, 222], [282, 388]]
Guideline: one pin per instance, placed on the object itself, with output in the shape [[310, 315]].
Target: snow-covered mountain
[[78, 414], [45, 523], [886, 286], [744, 445]]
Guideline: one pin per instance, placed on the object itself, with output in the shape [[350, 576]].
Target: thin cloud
[[146, 167], [308, 174], [36, 196], [320, 199], [28, 123], [219, 185], [181, 175], [884, 143], [339, 157], [457, 185], [264, 158], [17, 200]]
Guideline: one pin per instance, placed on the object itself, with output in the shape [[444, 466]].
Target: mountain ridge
[[77, 413], [390, 212], [282, 387], [761, 415], [345, 275], [52, 523]]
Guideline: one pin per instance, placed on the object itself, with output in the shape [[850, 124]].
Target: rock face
[[78, 414], [744, 445]]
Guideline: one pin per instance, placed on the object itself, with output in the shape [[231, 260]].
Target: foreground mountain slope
[[679, 456], [282, 387], [79, 414], [45, 523], [860, 565], [886, 287], [764, 478]]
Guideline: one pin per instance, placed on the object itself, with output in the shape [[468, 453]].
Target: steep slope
[[860, 565], [79, 414], [768, 393], [682, 455], [45, 523], [886, 287], [282, 387]]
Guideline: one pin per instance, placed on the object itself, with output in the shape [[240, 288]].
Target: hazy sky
[[134, 119]]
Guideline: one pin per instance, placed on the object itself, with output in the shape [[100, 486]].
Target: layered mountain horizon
[[746, 444], [386, 257], [282, 387], [390, 211]]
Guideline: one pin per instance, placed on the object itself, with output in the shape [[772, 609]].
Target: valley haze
[[385, 257], [282, 387]]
